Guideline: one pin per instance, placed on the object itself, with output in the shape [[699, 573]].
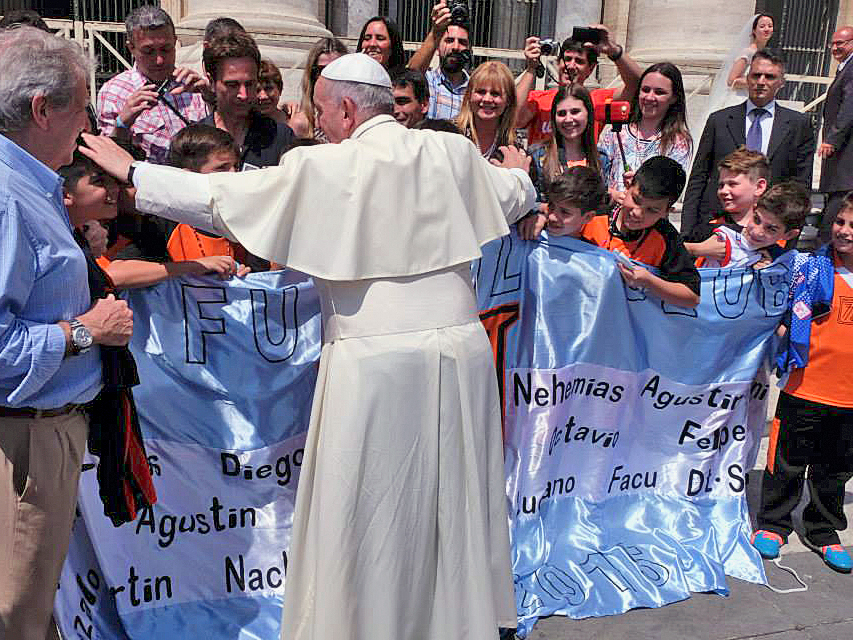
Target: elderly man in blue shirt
[[49, 328]]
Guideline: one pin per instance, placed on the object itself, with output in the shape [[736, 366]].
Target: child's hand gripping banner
[[630, 426]]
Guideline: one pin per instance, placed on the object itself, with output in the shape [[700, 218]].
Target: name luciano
[[560, 390]]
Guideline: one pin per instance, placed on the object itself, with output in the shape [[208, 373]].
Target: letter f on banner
[[199, 319]]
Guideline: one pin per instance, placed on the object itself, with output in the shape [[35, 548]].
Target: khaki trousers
[[40, 462]]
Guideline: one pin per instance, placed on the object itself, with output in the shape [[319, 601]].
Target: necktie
[[753, 136]]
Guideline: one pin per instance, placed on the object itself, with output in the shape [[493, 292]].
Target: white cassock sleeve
[[389, 205], [175, 194], [518, 201]]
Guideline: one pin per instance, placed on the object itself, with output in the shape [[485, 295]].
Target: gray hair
[[371, 100], [34, 63], [147, 17]]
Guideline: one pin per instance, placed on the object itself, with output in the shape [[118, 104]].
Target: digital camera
[[458, 11], [548, 46]]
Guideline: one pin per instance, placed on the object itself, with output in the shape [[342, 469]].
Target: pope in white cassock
[[400, 528]]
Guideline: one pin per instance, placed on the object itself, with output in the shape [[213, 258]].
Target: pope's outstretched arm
[[514, 189], [384, 206]]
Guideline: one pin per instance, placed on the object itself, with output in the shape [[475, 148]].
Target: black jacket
[[790, 153]]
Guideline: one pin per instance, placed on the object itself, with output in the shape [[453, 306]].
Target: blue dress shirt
[[43, 279]]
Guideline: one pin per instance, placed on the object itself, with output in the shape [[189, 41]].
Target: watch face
[[81, 337]]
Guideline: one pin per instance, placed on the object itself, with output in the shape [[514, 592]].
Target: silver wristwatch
[[81, 337]]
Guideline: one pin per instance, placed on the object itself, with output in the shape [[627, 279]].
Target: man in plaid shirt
[[129, 106], [447, 83]]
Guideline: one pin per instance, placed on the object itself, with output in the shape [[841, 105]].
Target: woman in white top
[[729, 86]]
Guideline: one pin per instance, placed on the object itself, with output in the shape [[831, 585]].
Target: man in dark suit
[[836, 175], [783, 135]]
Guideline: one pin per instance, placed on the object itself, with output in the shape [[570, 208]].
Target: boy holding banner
[[776, 220], [814, 425], [638, 229], [574, 197]]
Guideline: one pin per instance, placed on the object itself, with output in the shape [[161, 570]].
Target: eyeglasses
[[839, 43], [316, 70]]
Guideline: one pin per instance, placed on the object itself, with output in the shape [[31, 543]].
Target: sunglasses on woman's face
[[316, 70]]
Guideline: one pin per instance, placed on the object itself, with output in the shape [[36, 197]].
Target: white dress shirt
[[766, 122]]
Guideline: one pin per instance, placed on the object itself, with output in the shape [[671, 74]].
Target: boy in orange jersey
[[638, 229], [814, 425], [574, 197], [91, 195], [203, 148]]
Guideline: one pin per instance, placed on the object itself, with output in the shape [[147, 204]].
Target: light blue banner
[[227, 373], [629, 426]]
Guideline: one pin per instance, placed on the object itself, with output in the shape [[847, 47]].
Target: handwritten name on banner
[[629, 426]]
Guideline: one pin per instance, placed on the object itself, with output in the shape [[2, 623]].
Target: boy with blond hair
[[776, 220], [743, 176]]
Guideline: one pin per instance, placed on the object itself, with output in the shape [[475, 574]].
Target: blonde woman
[[487, 115]]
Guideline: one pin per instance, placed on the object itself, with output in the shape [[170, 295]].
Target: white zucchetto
[[357, 67]]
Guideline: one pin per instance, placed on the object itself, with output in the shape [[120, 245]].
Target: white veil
[[721, 94]]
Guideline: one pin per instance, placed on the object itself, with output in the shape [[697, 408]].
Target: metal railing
[[98, 40]]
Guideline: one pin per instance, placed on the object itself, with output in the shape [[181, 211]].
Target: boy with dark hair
[[638, 229], [411, 97], [201, 148], [813, 430], [198, 144], [762, 235], [574, 197], [90, 195]]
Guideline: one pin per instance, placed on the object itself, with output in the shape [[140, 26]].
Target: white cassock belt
[[362, 308]]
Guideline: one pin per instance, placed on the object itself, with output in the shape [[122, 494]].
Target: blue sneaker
[[767, 543], [835, 556]]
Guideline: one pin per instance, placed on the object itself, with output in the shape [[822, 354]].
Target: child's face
[[94, 197], [737, 192], [842, 232], [219, 161], [565, 219], [641, 213], [764, 229]]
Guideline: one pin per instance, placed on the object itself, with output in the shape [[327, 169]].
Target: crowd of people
[[556, 161]]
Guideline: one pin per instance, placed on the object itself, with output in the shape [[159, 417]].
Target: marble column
[[357, 13], [575, 14], [283, 29], [695, 35]]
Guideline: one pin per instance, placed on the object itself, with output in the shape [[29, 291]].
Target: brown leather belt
[[30, 412]]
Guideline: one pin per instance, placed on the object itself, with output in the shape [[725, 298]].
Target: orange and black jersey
[[657, 246]]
